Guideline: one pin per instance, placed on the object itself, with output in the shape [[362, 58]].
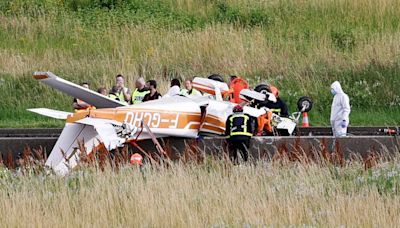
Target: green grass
[[300, 46]]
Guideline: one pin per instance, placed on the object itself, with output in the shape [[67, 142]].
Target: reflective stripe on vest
[[185, 92], [117, 96], [137, 97], [194, 91], [276, 110], [113, 96], [244, 126], [121, 96], [241, 133]]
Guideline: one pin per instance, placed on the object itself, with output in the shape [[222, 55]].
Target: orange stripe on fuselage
[[209, 89], [154, 119], [194, 126], [214, 121], [212, 128], [204, 88]]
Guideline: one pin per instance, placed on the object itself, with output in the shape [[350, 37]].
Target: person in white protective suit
[[175, 88], [340, 110]]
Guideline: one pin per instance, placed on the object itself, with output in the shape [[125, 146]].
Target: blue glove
[[199, 138], [344, 124]]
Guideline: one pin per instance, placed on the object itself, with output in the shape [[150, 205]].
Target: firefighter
[[239, 130], [279, 107], [264, 123]]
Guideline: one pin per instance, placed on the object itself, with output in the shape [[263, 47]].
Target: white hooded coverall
[[173, 91], [340, 110]]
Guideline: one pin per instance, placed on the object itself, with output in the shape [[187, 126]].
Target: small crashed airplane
[[113, 124]]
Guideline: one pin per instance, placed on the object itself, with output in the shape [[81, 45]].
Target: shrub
[[343, 39]]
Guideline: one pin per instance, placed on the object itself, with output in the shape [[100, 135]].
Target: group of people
[[240, 127], [147, 91], [144, 91]]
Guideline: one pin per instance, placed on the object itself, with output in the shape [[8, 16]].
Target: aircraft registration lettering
[[138, 119], [174, 123], [156, 120], [152, 119]]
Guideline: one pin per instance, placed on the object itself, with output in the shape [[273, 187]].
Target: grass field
[[300, 46], [213, 194]]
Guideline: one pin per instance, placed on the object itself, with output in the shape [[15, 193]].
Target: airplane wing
[[61, 115], [74, 90], [92, 132], [201, 100]]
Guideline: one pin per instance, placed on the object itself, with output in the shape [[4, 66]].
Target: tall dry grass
[[294, 188], [211, 194]]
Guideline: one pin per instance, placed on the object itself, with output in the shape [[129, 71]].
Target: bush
[[258, 17], [343, 39], [226, 13]]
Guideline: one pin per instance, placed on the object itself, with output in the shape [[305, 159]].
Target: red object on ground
[[136, 159]]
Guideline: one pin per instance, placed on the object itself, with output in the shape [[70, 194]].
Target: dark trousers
[[241, 143]]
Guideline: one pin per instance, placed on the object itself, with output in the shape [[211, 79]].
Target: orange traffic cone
[[305, 120]]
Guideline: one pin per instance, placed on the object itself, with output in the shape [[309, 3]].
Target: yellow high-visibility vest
[[137, 96], [185, 92], [118, 96]]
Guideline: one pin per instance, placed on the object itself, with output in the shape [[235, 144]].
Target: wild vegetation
[[300, 46], [206, 192]]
